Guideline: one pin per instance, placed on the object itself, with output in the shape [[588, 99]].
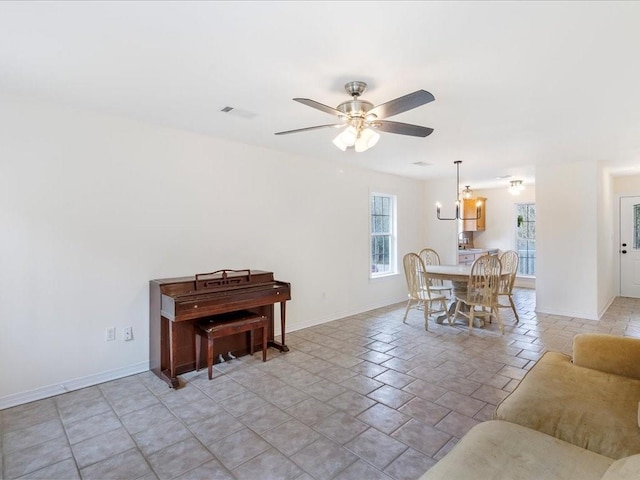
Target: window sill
[[383, 275]]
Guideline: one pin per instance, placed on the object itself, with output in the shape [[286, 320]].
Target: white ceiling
[[516, 83]]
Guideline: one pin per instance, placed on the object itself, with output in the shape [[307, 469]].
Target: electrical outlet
[[127, 333], [111, 334]]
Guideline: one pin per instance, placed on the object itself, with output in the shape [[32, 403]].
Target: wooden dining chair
[[482, 291], [509, 261], [419, 291], [430, 257]]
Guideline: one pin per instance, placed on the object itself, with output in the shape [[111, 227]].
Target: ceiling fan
[[362, 118]]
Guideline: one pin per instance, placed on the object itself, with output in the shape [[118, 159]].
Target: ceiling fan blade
[[319, 106], [402, 128], [402, 104], [335, 125]]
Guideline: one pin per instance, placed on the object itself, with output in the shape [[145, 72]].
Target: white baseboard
[[606, 307], [71, 385], [525, 282], [566, 313], [345, 313]]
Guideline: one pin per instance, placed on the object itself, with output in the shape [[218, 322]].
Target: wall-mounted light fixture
[[460, 215], [516, 187]]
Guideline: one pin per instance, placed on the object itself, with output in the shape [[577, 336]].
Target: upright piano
[[175, 304]]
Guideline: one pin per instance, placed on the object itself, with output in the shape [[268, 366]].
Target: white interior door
[[630, 247]]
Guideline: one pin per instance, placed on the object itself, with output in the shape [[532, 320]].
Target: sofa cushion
[[499, 450], [627, 468], [608, 353], [588, 408]]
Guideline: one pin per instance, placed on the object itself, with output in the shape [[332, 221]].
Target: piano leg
[[281, 346], [171, 373], [265, 336], [282, 325]]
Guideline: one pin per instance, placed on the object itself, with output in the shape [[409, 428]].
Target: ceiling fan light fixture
[[367, 139], [346, 138], [338, 142]]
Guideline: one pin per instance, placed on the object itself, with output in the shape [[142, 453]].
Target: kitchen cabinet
[[469, 210], [467, 257]]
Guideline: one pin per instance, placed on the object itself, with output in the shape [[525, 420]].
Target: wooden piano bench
[[218, 326]]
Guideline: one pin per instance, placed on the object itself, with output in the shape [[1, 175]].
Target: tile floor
[[363, 397]]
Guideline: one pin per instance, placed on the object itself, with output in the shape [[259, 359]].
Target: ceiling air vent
[[238, 112], [422, 164]]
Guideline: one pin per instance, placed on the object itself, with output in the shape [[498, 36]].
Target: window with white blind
[[383, 234]]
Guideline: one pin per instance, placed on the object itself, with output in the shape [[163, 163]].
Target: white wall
[[626, 185], [500, 226], [607, 251], [500, 229], [441, 235], [92, 207], [567, 205]]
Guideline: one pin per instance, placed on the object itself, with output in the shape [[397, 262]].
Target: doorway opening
[[630, 247]]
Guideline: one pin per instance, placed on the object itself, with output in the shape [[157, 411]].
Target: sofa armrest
[[624, 469], [608, 353]]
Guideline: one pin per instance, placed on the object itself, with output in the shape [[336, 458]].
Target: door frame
[[618, 240]]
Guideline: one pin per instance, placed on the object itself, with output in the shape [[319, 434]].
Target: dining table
[[458, 275]]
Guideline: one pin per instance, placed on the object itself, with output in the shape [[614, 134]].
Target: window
[[636, 227], [383, 234], [526, 238]]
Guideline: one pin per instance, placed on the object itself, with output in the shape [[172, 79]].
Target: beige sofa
[[499, 450], [568, 419]]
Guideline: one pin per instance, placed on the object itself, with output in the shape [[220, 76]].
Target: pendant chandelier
[[467, 193]]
